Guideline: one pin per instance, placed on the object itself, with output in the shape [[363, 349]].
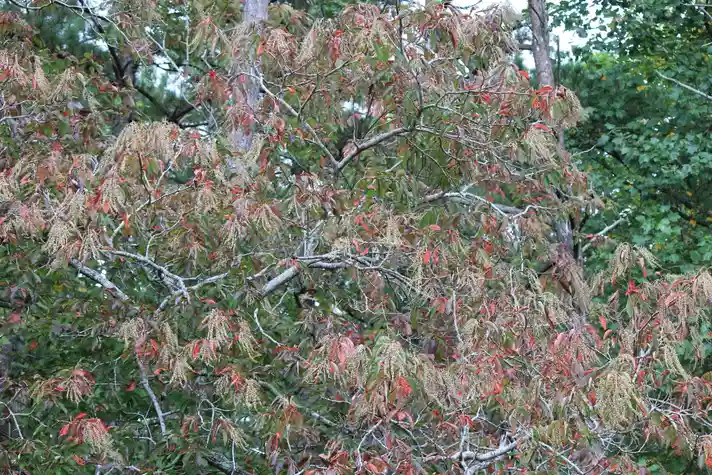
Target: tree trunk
[[254, 13], [545, 77], [540, 43]]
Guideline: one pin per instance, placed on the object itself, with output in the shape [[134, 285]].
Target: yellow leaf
[[641, 87], [693, 223], [689, 193], [603, 78]]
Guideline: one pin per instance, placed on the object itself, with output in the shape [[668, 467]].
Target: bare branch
[[563, 457], [152, 395], [99, 278], [604, 231], [467, 197], [683, 85], [370, 143], [14, 420], [483, 460]]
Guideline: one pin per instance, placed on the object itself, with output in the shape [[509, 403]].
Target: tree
[[372, 286], [642, 80]]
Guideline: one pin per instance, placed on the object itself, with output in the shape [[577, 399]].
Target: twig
[[149, 202], [683, 85], [563, 457], [265, 334], [296, 114], [152, 395], [454, 318], [14, 419], [359, 462], [603, 231], [313, 414]]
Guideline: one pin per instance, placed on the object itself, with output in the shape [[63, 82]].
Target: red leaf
[[426, 257], [78, 459], [541, 126], [196, 349], [604, 324], [544, 90], [131, 386], [64, 430], [434, 227], [80, 416], [14, 318]]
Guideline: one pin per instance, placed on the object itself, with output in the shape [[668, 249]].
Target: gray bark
[[545, 77], [540, 43], [254, 14]]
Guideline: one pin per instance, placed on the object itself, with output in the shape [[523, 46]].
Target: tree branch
[[466, 197], [683, 85], [483, 460], [372, 142], [604, 231], [99, 278], [152, 395]]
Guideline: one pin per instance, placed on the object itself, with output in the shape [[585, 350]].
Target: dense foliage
[[373, 285], [644, 79]]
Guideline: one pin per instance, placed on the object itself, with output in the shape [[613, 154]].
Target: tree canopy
[[278, 241], [642, 81]]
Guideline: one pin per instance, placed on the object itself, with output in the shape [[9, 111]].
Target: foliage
[[646, 138], [370, 287]]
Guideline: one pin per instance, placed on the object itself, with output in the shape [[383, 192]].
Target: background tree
[[396, 302], [644, 79]]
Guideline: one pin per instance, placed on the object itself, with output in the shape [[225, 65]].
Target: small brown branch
[[370, 143], [99, 278]]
